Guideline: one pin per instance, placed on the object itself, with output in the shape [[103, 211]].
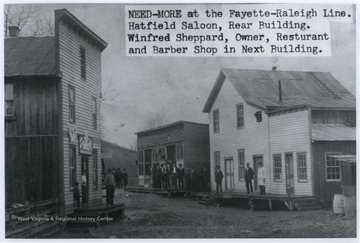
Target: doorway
[[229, 174], [289, 173], [170, 153], [85, 186], [256, 160]]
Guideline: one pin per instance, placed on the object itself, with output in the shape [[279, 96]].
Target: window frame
[[326, 167], [82, 63], [72, 107], [299, 168], [9, 101], [277, 169], [72, 166], [216, 122], [241, 166], [217, 159], [179, 152], [240, 121], [95, 169], [94, 112]]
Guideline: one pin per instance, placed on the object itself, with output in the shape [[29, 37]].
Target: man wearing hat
[[218, 179], [261, 178], [180, 176], [249, 176], [110, 188]]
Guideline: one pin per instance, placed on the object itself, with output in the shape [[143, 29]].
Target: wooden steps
[[310, 203]]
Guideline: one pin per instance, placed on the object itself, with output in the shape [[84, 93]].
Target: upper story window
[[9, 100], [93, 111], [71, 104], [240, 115], [216, 121], [83, 62]]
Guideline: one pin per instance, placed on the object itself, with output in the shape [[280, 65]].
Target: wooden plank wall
[[31, 169], [324, 191], [36, 107], [69, 53], [196, 146]]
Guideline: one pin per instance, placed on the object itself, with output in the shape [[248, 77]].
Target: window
[[93, 110], [161, 153], [71, 104], [241, 157], [333, 169], [83, 62], [277, 167], [141, 162], [179, 152], [301, 163], [216, 121], [216, 159], [155, 155], [148, 153], [95, 168], [9, 100], [240, 115], [72, 164]]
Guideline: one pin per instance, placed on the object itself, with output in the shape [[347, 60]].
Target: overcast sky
[[179, 86]]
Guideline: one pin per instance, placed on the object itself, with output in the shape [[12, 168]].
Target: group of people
[[112, 179], [168, 176], [249, 176], [76, 191]]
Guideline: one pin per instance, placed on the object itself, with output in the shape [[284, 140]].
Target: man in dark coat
[[218, 179], [125, 178], [249, 176], [180, 176]]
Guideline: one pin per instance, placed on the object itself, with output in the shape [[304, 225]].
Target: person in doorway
[[84, 188], [261, 178], [218, 179], [77, 195], [249, 176], [110, 188], [125, 178]]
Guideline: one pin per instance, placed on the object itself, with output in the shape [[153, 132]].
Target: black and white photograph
[[164, 120]]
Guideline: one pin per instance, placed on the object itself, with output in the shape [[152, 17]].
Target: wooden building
[[115, 156], [187, 143], [291, 121], [52, 114]]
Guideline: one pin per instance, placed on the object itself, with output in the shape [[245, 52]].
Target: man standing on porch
[[261, 178], [110, 188], [249, 175], [218, 179]]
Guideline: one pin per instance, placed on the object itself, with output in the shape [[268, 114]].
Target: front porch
[[291, 202]]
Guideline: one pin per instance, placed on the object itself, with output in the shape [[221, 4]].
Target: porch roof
[[333, 132]]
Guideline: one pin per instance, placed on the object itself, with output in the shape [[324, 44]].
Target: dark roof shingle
[[30, 56]]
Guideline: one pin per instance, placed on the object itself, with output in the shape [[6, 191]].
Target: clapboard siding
[[35, 106], [289, 133], [196, 146], [253, 137], [161, 136], [69, 64]]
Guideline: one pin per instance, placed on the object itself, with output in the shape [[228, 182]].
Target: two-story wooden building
[[52, 114], [291, 121], [183, 142]]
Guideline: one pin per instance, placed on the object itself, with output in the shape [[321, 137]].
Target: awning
[[333, 132]]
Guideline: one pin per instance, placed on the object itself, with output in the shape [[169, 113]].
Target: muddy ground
[[155, 216]]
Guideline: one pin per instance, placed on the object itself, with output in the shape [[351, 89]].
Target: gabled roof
[[30, 56], [260, 88]]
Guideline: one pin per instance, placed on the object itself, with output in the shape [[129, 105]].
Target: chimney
[[280, 92], [14, 31]]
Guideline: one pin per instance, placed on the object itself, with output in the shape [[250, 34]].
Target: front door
[[289, 173], [229, 174], [256, 160], [85, 186]]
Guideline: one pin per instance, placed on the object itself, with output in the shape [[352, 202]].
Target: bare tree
[[156, 120], [29, 18]]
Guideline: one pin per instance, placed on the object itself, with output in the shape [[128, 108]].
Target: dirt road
[[153, 216]]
